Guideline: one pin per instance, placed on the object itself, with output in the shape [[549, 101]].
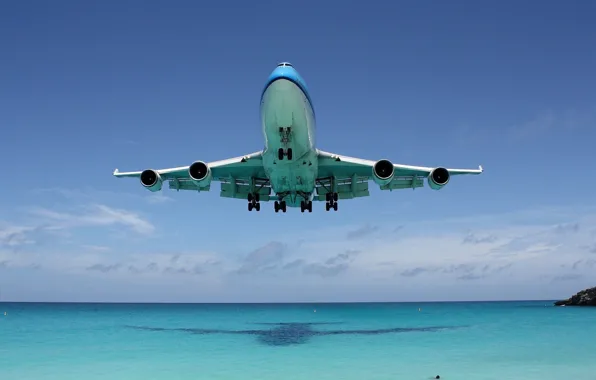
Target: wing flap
[[404, 183], [186, 184], [346, 188]]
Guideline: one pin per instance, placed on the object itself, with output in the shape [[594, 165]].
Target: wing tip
[[480, 168], [116, 171]]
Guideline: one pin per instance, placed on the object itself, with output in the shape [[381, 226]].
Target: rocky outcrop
[[586, 297]]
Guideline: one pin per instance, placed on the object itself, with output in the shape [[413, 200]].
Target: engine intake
[[438, 178], [151, 180], [383, 172], [199, 172]]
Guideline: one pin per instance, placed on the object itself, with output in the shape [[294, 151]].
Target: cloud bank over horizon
[[94, 252]]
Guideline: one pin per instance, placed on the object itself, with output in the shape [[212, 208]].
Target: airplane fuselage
[[289, 126]]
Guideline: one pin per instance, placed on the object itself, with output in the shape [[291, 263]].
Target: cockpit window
[[285, 64]]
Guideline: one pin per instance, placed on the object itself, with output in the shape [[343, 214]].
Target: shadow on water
[[289, 333]]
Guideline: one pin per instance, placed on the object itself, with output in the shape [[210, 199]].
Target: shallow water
[[491, 340]]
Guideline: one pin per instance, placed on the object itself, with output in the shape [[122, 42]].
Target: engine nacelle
[[383, 172], [151, 180], [200, 173], [438, 178]]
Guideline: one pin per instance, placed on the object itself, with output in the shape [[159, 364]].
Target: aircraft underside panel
[[355, 187], [187, 184], [404, 183], [346, 188], [240, 189]]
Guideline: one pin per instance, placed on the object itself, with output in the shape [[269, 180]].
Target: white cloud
[[158, 198], [97, 248], [543, 123], [92, 195], [14, 236], [95, 215], [473, 257]]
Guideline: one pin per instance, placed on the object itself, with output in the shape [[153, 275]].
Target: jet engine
[[151, 180], [438, 178], [383, 172], [200, 172]]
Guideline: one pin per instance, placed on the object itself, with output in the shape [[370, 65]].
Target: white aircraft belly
[[285, 105]]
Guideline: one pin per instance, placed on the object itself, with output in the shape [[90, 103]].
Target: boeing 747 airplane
[[290, 169]]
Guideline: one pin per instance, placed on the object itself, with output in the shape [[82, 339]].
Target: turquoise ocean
[[467, 340]]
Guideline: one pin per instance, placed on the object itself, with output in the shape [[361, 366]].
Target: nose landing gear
[[285, 134], [281, 154]]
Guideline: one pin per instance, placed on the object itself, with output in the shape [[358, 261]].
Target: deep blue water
[[480, 340]]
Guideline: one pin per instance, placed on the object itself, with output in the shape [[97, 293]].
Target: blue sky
[[87, 87]]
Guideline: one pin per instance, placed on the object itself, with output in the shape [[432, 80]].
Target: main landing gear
[[306, 205], [280, 205], [253, 202], [331, 201]]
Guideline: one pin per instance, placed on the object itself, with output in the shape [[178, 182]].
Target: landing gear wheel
[[253, 202], [280, 154], [331, 205], [306, 205], [331, 199], [289, 154], [280, 206]]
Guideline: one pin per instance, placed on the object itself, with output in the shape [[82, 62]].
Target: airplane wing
[[238, 176], [350, 176]]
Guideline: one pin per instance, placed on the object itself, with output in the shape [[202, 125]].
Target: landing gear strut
[[253, 202], [281, 205], [306, 205], [331, 201]]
